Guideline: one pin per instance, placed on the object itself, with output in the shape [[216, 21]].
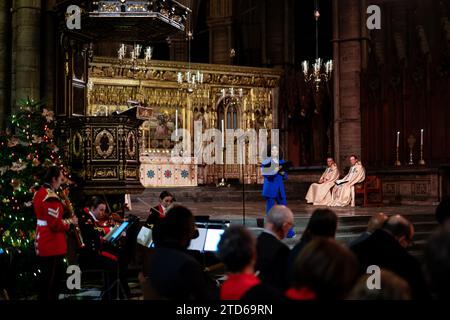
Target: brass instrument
[[77, 232]]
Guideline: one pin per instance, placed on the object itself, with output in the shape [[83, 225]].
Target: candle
[[223, 135], [398, 139], [421, 137], [176, 122]]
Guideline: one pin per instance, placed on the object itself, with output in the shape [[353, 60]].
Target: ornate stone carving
[[104, 144]]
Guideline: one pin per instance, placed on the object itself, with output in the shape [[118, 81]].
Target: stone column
[[49, 55], [347, 51], [26, 50], [220, 31], [4, 64]]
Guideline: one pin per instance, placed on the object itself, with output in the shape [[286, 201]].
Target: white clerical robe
[[342, 194], [319, 194]]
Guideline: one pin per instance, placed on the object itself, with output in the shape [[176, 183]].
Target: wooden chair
[[372, 184]]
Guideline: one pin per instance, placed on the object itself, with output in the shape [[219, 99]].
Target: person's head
[[177, 228], [280, 220], [437, 262], [98, 207], [323, 223], [442, 212], [330, 161], [401, 229], [392, 287], [376, 222], [353, 159], [237, 249], [166, 199], [274, 151], [327, 268], [54, 176]]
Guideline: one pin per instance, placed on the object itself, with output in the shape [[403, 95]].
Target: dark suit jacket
[[272, 259], [383, 250], [363, 236], [174, 275]]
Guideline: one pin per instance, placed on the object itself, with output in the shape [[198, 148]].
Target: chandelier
[[136, 64], [231, 92], [189, 80], [319, 71]]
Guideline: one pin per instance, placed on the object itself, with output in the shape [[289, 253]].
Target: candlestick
[[397, 162], [398, 139], [421, 161], [223, 135], [176, 122], [411, 143]]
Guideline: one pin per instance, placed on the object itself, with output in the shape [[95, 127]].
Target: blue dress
[[273, 187]]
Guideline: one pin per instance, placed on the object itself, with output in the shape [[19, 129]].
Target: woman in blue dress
[[274, 177]]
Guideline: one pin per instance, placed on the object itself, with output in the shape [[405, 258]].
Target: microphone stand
[[243, 196], [243, 178]]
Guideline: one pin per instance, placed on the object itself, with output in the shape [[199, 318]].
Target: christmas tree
[[27, 148]]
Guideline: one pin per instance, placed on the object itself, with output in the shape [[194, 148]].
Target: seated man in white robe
[[342, 192], [319, 194]]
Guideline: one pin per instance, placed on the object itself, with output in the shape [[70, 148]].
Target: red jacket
[[51, 228], [237, 285]]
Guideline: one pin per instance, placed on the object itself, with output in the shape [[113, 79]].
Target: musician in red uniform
[[94, 225], [50, 243], [159, 212]]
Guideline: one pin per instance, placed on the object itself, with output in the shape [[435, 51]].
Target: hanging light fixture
[[319, 71], [189, 80], [136, 63], [231, 92]]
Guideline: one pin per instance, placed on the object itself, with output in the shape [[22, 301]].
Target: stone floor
[[234, 210], [226, 206]]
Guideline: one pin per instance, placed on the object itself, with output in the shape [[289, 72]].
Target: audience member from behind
[[323, 223], [437, 262], [387, 248], [170, 272], [443, 211], [272, 253], [392, 287], [376, 222], [237, 251], [324, 270]]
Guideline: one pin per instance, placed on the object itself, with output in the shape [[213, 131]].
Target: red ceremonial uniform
[[51, 228]]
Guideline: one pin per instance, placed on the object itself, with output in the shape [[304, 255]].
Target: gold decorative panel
[[105, 173], [114, 88], [105, 143]]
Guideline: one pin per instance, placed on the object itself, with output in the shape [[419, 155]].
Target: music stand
[[112, 238]]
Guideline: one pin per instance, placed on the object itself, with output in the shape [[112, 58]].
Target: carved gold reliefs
[[114, 85], [104, 173], [131, 145], [131, 173], [104, 144], [77, 145]]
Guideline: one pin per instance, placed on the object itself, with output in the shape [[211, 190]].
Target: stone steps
[[294, 191]]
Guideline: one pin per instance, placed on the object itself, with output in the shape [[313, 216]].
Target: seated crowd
[[375, 266]]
